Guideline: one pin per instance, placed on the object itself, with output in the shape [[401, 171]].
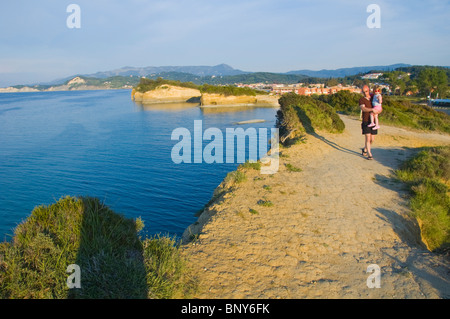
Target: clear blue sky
[[253, 35]]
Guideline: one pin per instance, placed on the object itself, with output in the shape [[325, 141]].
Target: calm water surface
[[101, 144]]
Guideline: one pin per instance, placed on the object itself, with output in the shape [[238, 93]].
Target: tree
[[411, 85], [331, 82], [432, 80], [360, 82], [397, 81]]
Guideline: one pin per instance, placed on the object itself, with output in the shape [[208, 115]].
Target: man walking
[[365, 103]]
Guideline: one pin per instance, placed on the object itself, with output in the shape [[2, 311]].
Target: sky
[[37, 45]]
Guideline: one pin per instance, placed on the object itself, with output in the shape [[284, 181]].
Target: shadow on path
[[334, 145], [427, 268], [306, 122], [110, 256]]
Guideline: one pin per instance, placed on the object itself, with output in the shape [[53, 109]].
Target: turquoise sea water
[[101, 144]]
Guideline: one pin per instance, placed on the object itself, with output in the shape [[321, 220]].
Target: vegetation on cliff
[[149, 84], [146, 85], [114, 261], [303, 114], [404, 113], [427, 176], [230, 90], [343, 101]]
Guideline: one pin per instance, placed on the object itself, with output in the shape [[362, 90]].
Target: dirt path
[[328, 223]]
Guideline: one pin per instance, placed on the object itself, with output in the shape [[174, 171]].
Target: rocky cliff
[[165, 94], [174, 94], [220, 99], [210, 99]]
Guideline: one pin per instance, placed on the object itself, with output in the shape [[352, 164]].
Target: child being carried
[[376, 105]]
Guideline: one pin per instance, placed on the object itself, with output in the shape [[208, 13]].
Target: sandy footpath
[[328, 223]]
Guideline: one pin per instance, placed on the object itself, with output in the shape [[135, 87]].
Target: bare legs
[[373, 120], [369, 138]]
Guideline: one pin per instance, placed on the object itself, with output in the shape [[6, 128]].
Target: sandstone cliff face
[[220, 99], [13, 90], [208, 99], [165, 94], [267, 100], [173, 94]]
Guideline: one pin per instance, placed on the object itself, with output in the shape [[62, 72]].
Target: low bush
[[428, 176], [304, 114], [113, 260], [149, 84], [230, 90]]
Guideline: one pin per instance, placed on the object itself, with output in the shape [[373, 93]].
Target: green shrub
[[265, 203], [306, 114], [343, 101], [235, 177], [402, 112], [230, 90], [251, 165], [292, 168], [113, 260], [427, 176], [149, 84], [166, 269]]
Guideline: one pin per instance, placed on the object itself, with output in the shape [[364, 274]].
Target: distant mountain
[[343, 72], [198, 74], [151, 71], [221, 74], [247, 78], [217, 70]]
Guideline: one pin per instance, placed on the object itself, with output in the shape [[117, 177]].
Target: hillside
[[222, 74], [343, 72], [79, 83], [224, 70], [217, 70]]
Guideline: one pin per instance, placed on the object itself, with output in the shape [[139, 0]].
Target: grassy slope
[[114, 261], [398, 112], [303, 114], [427, 176]]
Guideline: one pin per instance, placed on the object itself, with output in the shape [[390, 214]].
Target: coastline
[[82, 88], [319, 235]]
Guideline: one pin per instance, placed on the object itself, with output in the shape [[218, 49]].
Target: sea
[[102, 144]]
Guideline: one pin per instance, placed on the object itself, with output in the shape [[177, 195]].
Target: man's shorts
[[368, 130]]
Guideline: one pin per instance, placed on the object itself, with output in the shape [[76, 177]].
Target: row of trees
[[420, 80], [428, 81]]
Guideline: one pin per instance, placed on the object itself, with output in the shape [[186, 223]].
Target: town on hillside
[[317, 88]]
